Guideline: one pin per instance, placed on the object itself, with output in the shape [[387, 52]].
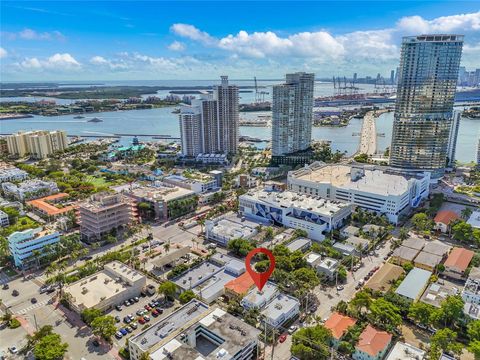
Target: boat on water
[[95, 120], [79, 117]]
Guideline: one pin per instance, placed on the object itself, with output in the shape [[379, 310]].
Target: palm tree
[[466, 212], [166, 246], [36, 254], [403, 234]]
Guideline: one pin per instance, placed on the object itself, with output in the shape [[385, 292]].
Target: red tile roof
[[373, 341], [338, 324], [446, 217], [459, 259], [49, 209], [240, 285]]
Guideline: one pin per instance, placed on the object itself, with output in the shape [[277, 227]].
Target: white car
[[292, 329], [13, 349], [340, 287]]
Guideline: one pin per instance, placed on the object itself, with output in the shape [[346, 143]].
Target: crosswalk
[[31, 307]]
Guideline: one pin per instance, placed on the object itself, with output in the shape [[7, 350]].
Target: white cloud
[[60, 62], [113, 65], [176, 46], [29, 34], [3, 53], [444, 24], [377, 45], [191, 32]]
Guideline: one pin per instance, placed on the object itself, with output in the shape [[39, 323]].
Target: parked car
[[15, 293], [141, 320], [147, 307], [282, 338], [292, 329], [140, 312], [159, 310], [146, 318], [118, 335], [340, 287], [123, 331], [117, 319], [118, 307], [136, 299], [33, 300], [5, 287], [130, 316], [155, 313], [127, 303], [134, 325], [129, 329], [127, 320], [13, 349]]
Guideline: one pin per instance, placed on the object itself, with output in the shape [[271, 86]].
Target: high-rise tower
[[426, 87], [292, 111], [210, 124]]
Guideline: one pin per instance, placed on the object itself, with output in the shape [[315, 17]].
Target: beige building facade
[[37, 144]]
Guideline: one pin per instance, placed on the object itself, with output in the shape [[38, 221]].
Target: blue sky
[[75, 40]]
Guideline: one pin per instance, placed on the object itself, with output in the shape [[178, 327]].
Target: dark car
[[33, 300], [117, 319], [136, 299], [143, 293], [129, 329], [118, 307], [159, 310], [127, 320], [5, 287], [15, 293]]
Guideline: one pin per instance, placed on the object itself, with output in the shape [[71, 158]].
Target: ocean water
[[163, 122]]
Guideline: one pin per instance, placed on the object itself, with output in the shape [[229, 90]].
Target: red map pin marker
[[260, 279]]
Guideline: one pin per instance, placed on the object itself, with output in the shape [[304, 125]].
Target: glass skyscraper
[[427, 81], [292, 107]]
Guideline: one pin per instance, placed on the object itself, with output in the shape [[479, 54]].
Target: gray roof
[[281, 304], [345, 248], [414, 243], [299, 244], [405, 253], [212, 288], [414, 283], [425, 258], [197, 275], [437, 247], [166, 325]]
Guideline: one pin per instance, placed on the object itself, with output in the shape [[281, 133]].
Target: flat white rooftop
[[288, 199], [281, 304], [474, 219], [258, 298], [371, 180]]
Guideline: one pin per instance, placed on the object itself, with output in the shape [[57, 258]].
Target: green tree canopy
[[186, 296], [444, 340], [385, 314], [311, 343], [88, 315], [421, 312], [104, 326], [450, 312], [240, 246], [422, 222], [168, 289], [50, 347]]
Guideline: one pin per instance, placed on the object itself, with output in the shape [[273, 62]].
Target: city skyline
[[50, 41]]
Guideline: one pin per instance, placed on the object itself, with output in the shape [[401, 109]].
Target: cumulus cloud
[[446, 24], [29, 34], [57, 61], [3, 53], [176, 46], [378, 45], [113, 65], [191, 32]]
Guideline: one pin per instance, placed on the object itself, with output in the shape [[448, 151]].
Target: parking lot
[[132, 311]]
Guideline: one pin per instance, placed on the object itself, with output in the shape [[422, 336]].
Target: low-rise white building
[[4, 221], [212, 159], [280, 309], [379, 189], [299, 244], [315, 215], [403, 351], [29, 189], [103, 290], [471, 291], [24, 244], [200, 183], [328, 266], [229, 226], [256, 299], [474, 220], [12, 174]]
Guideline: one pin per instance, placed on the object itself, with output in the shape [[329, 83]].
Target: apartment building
[[9, 174], [374, 188], [4, 221], [197, 182], [104, 212], [23, 245], [29, 189], [196, 331], [427, 81], [311, 213], [38, 144]]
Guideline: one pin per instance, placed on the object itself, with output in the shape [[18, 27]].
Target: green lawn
[[97, 181], [23, 223]]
